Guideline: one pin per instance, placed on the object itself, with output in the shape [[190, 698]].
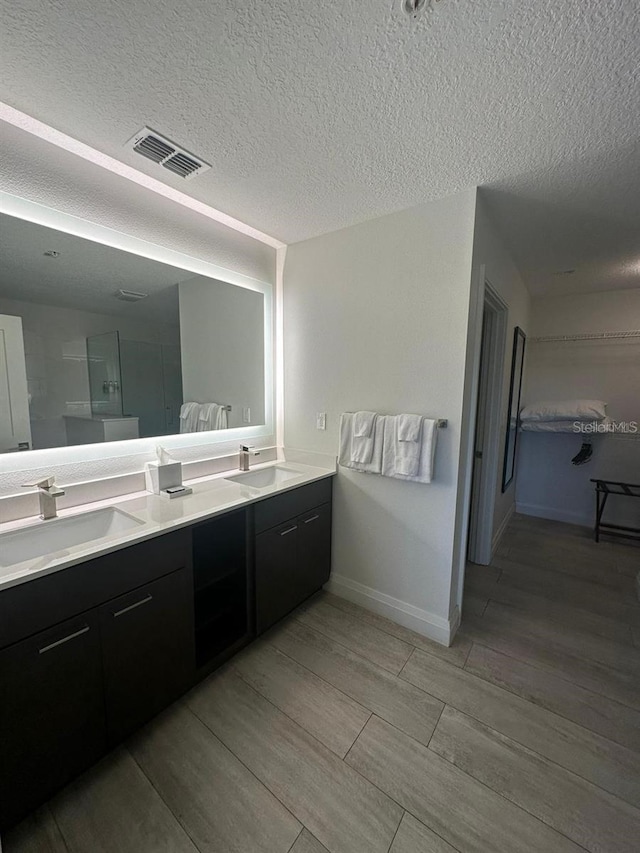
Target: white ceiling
[[317, 115], [85, 276]]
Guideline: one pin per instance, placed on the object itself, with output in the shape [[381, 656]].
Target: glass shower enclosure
[[136, 379]]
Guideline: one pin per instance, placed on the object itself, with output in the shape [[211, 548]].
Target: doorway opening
[[486, 447]]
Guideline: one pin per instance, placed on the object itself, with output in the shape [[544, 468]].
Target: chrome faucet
[[246, 451], [47, 494]]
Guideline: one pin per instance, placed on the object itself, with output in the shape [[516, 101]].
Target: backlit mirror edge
[[187, 447]]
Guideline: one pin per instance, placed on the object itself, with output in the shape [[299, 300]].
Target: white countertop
[[211, 496]]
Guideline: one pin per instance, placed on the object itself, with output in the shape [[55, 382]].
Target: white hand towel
[[374, 466], [362, 437], [426, 467], [408, 450], [221, 420], [363, 423], [409, 427], [189, 414], [205, 417]]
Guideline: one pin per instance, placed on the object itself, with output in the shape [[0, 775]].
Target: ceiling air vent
[[158, 148], [130, 295]]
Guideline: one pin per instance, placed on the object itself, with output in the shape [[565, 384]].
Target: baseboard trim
[[421, 621], [554, 514], [500, 531]]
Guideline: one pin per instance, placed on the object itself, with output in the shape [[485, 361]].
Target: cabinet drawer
[[52, 723], [147, 651], [37, 604], [276, 510]]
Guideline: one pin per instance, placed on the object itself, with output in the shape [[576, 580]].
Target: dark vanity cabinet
[[88, 654], [147, 651], [292, 550], [52, 719]]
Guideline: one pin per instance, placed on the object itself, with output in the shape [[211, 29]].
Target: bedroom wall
[[548, 485]]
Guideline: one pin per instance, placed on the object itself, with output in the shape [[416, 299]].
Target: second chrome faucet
[[246, 452]]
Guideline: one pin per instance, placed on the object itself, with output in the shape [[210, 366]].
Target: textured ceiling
[[85, 276], [317, 115]]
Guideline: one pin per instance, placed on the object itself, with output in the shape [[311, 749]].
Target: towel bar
[[441, 423]]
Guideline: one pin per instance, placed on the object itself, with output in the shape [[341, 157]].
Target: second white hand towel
[[426, 465], [363, 428], [408, 444], [409, 427]]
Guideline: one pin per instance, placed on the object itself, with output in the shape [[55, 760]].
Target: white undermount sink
[[265, 477], [40, 540]]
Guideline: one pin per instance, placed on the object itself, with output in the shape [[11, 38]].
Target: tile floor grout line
[[538, 704], [295, 722], [522, 698], [555, 671], [518, 805], [344, 758], [324, 680], [59, 828], [475, 779], [573, 609], [367, 661], [558, 648], [443, 709], [394, 834], [125, 747], [619, 600], [295, 840], [320, 631], [478, 720], [354, 769], [377, 627], [566, 633], [246, 766]]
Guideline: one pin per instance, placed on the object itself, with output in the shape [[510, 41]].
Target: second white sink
[[265, 477], [45, 539]]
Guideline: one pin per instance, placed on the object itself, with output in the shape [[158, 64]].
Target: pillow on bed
[[565, 410]]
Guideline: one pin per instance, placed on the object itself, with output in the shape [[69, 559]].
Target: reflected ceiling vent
[[130, 295], [165, 153]]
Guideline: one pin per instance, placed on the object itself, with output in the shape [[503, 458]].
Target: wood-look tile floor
[[340, 731]]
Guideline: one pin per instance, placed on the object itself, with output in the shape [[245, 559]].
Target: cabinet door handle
[[313, 518], [132, 606], [289, 530], [63, 640]]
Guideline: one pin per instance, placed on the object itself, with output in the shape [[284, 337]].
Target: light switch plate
[[246, 415], [321, 420]]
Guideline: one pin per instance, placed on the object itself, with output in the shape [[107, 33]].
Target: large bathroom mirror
[[98, 344]]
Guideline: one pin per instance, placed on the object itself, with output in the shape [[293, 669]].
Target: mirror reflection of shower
[[135, 380]]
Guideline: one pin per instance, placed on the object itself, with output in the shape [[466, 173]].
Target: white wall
[[375, 317], [548, 484], [222, 334]]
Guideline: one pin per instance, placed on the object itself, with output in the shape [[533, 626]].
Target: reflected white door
[[15, 429]]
